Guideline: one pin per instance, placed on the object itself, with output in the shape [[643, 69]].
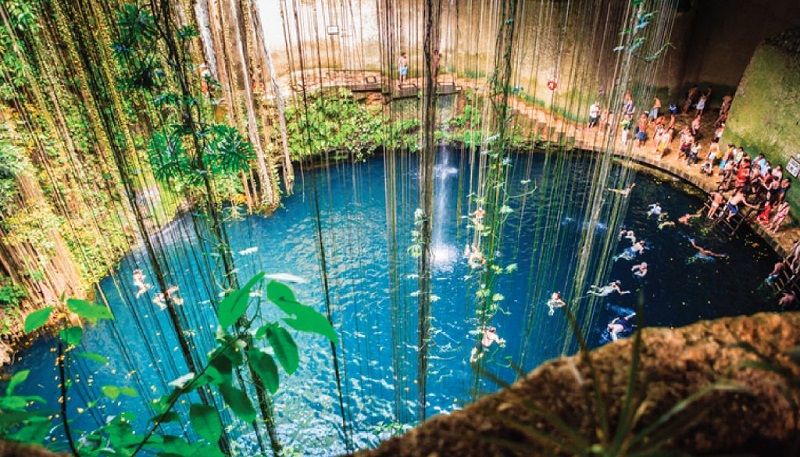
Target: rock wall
[[725, 33], [676, 364], [764, 115]]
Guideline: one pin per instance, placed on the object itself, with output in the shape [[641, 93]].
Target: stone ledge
[[677, 363]]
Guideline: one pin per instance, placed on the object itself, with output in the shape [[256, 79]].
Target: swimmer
[[171, 294], [687, 218], [665, 224], [613, 286], [624, 192], [631, 252], [628, 235], [620, 325], [488, 337], [138, 281], [655, 210], [705, 254], [555, 302], [639, 270]]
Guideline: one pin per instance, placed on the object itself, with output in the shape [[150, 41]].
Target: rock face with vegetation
[[763, 117], [757, 416]]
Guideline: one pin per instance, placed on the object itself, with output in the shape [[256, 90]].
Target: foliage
[[226, 154], [12, 163], [335, 122], [238, 346], [11, 294]]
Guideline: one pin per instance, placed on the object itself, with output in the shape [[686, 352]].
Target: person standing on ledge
[[594, 114], [435, 59], [402, 64], [655, 110]]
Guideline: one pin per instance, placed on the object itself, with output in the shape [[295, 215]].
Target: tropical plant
[[239, 344]]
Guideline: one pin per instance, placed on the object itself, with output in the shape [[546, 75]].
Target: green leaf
[[307, 319], [303, 317], [238, 402], [285, 348], [94, 357], [235, 304], [71, 335], [17, 379], [111, 392], [205, 422], [264, 366], [282, 296], [37, 319], [128, 391], [88, 311]]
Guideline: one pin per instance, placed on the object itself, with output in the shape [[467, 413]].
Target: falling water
[[444, 255]]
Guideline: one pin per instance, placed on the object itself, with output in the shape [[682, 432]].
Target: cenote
[[372, 291]]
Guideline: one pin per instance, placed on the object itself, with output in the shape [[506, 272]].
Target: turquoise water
[[143, 352]]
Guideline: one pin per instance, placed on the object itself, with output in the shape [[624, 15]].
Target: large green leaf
[[71, 335], [238, 402], [205, 422], [266, 369], [235, 304], [302, 317], [307, 319], [282, 296], [285, 348], [89, 311], [37, 319], [17, 379]]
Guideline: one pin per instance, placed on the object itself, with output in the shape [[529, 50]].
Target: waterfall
[[443, 254]]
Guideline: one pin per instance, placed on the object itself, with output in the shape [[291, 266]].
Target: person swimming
[[639, 270], [139, 282], [687, 218], [488, 337], [628, 235], [620, 326], [703, 254], [655, 210], [608, 289], [631, 252], [624, 192], [171, 294], [555, 302]]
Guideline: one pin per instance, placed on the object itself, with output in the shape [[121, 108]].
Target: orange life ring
[[552, 84]]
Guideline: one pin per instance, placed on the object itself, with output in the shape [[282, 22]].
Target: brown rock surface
[[675, 362]]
